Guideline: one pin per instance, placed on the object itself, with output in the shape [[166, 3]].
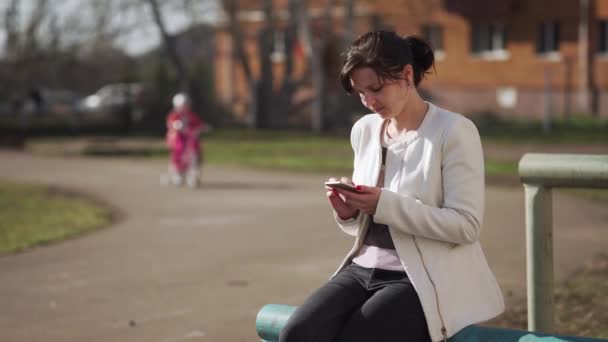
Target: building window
[[548, 38], [278, 53], [602, 44], [379, 23], [433, 34], [489, 41]]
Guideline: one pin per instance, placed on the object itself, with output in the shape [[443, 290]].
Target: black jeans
[[360, 304]]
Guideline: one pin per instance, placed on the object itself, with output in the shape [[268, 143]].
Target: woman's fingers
[[346, 180], [342, 209], [336, 200], [347, 202], [354, 199], [364, 199]]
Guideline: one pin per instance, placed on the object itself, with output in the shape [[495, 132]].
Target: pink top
[[376, 257]]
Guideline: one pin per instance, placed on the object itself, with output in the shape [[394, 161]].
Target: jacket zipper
[[379, 168], [443, 329]]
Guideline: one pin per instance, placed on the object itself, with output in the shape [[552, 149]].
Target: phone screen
[[340, 185]]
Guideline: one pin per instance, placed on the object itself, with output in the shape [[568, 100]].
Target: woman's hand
[[343, 210], [364, 198]]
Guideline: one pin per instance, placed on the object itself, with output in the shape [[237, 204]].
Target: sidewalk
[[197, 265]]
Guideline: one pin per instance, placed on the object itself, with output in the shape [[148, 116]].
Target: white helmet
[[180, 99]]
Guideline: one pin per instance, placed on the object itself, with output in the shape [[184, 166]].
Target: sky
[[147, 37], [143, 38]]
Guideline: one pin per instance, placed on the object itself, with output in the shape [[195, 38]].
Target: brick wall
[[462, 76], [530, 103], [467, 82]]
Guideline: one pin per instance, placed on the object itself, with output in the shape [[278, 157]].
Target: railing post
[[539, 249], [540, 173]]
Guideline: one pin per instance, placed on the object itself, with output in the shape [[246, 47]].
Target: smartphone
[[340, 185]]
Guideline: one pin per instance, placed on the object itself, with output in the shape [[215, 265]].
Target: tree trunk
[[170, 46], [11, 27], [31, 45], [264, 93], [236, 34], [283, 107], [349, 23], [313, 48]]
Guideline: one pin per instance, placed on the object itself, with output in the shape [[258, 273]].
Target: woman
[[416, 271]]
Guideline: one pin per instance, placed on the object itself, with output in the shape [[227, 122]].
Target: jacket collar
[[421, 131]]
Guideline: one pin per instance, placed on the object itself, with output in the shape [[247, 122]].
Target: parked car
[[117, 101], [113, 95], [58, 102]]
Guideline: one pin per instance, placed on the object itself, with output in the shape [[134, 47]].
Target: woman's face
[[386, 98]]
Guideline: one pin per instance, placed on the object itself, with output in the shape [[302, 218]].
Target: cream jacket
[[433, 204]]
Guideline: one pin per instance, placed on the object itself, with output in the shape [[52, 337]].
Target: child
[[183, 128]]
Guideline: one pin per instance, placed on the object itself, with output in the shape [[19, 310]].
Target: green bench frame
[[272, 317]]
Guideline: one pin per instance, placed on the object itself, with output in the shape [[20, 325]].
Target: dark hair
[[387, 54]]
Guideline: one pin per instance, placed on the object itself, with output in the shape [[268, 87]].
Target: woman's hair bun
[[422, 55]]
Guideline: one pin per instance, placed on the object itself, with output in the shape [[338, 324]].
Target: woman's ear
[[408, 74]]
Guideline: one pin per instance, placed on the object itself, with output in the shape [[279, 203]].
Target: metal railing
[[540, 173]]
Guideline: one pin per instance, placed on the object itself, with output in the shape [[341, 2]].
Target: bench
[[272, 317]]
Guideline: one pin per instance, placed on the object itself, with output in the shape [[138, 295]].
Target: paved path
[[187, 265]]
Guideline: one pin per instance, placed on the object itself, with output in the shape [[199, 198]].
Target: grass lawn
[[33, 215], [300, 151], [581, 129], [275, 151], [313, 154]]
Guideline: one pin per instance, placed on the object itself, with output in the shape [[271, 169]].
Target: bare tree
[[349, 32], [318, 49], [188, 71], [31, 44], [106, 29], [61, 24], [169, 45], [321, 50], [237, 38], [262, 113], [198, 11], [47, 44], [261, 88], [20, 43], [11, 27]]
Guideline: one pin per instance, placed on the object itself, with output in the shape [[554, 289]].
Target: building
[[510, 57], [522, 58]]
